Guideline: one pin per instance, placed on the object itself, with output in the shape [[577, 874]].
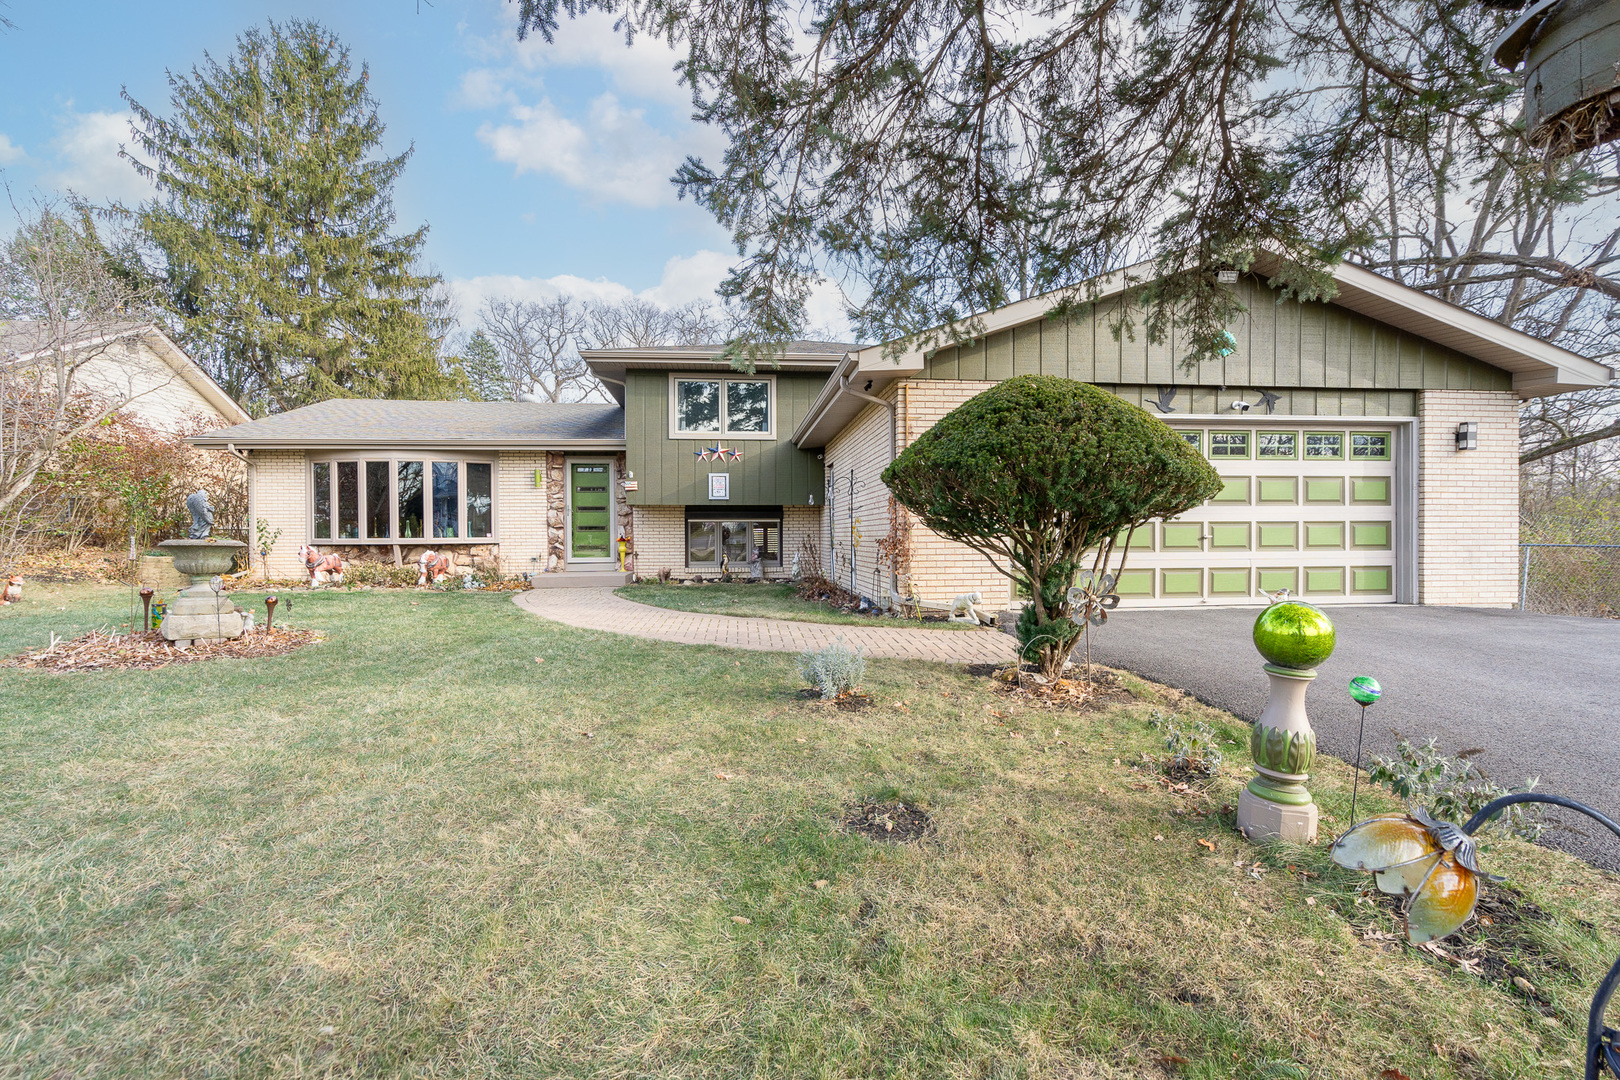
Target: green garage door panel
[[1369, 489], [1273, 578], [1279, 534], [1324, 489], [1324, 534], [1369, 534], [1371, 579], [1183, 536], [1235, 491], [1229, 534], [1324, 579], [1183, 583], [1234, 582], [1135, 583], [1278, 489]]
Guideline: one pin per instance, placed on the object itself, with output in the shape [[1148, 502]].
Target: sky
[[539, 168]]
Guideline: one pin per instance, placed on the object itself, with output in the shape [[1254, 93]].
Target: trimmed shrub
[[834, 671]]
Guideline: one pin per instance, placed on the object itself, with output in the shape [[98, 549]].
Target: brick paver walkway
[[600, 609]]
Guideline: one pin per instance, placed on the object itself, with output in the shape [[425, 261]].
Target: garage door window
[[1324, 445], [1277, 445], [1226, 445], [1369, 446], [1195, 439]]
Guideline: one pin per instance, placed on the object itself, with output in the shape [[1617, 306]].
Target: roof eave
[[213, 441]]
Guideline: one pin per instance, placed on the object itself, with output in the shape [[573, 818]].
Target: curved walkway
[[600, 609]]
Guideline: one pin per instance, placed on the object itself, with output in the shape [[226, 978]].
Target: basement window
[[738, 537]]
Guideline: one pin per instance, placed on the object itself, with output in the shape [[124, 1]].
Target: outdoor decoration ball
[[1293, 634], [1365, 689]]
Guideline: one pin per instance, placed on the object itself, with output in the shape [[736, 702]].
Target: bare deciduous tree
[[62, 307]]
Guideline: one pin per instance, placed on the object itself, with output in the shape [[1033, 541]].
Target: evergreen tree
[[273, 227], [485, 374]]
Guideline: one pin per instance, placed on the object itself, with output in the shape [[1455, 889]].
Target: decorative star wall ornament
[[718, 453]]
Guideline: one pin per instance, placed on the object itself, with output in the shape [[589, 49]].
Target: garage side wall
[[858, 502], [1468, 500], [278, 493], [943, 569]]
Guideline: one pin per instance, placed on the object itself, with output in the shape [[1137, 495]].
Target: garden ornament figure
[[270, 611], [323, 569], [434, 567], [1435, 865], [12, 593], [965, 608], [1092, 600], [1294, 637], [1364, 690], [202, 515]]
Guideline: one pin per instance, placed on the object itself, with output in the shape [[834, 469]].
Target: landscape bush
[[1451, 788], [834, 671]]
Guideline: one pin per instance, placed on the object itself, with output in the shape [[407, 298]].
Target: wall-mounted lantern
[[1468, 435]]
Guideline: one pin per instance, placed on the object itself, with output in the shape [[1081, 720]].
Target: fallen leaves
[[1393, 1074], [147, 649], [742, 920], [1210, 844]]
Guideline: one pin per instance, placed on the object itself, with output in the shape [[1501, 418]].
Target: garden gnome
[[1294, 637]]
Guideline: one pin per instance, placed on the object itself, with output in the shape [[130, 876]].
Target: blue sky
[[539, 167]]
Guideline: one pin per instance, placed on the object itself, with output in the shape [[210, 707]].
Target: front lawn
[[453, 839], [763, 600]]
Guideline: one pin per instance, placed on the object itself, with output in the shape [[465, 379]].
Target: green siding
[[668, 473], [1323, 359]]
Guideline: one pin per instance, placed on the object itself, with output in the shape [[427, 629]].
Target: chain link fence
[[1569, 556]]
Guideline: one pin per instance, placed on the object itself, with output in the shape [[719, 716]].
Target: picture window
[[384, 499], [707, 539], [723, 407]]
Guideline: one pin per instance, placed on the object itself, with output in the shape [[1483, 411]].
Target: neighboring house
[[159, 385], [1347, 480]]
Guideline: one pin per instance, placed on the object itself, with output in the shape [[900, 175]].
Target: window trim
[[1193, 437], [1389, 446], [1248, 445], [1304, 446], [1263, 432], [718, 515], [678, 435], [394, 458]]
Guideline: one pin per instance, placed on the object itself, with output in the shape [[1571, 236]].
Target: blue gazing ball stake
[[1364, 690]]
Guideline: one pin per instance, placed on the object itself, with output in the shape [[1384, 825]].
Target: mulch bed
[[1072, 692], [144, 651], [888, 823]]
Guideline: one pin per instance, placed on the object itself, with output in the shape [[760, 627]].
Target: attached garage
[[1315, 508]]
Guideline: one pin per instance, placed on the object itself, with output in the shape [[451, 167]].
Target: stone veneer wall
[[1468, 500]]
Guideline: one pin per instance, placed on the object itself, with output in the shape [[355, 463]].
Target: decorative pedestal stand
[[1275, 805], [198, 613]]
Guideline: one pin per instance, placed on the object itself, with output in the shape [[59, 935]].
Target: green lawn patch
[[453, 839], [764, 600]]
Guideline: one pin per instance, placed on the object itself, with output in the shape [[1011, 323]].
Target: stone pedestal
[[1276, 804], [199, 615]]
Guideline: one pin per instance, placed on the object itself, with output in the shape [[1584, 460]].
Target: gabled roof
[[22, 339], [362, 423], [1538, 367], [609, 365]]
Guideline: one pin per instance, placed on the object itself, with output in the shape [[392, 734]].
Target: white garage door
[[1310, 509]]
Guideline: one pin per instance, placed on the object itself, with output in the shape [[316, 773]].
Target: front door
[[591, 507]]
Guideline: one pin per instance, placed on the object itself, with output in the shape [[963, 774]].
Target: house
[[134, 363], [1369, 447]]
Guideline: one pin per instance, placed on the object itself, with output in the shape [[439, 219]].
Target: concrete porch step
[[581, 579]]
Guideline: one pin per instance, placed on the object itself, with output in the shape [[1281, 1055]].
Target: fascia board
[[213, 442]]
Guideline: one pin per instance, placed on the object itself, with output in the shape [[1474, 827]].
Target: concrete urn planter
[[198, 614]]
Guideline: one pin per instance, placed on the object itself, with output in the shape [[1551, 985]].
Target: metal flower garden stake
[[1364, 690], [1293, 637], [1435, 866]]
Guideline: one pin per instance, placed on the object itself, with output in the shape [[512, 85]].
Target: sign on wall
[[719, 485]]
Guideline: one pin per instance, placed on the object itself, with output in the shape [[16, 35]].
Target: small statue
[[965, 608], [202, 515], [12, 593], [323, 569], [434, 567]]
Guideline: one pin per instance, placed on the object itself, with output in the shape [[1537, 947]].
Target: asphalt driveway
[[1538, 695]]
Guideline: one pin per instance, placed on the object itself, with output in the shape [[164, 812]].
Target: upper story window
[[402, 497], [722, 406]]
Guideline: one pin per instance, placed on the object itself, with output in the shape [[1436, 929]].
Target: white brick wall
[[278, 492], [660, 536], [1468, 500], [521, 511]]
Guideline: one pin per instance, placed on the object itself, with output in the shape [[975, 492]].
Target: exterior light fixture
[[1468, 435]]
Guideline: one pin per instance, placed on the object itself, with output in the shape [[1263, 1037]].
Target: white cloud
[[483, 88], [614, 156], [643, 69], [10, 153], [88, 161]]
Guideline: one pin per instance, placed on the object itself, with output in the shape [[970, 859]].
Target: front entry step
[[581, 579]]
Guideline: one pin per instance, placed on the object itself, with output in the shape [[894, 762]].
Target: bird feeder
[[1570, 50]]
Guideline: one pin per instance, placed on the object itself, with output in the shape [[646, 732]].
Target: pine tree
[[273, 227], [485, 374]]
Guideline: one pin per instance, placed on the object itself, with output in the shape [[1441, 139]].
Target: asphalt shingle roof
[[353, 420]]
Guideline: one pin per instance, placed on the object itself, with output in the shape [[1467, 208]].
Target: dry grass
[[765, 600], [417, 851]]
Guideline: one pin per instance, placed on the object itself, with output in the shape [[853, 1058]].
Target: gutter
[[204, 442]]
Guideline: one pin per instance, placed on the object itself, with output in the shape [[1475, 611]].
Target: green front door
[[591, 501]]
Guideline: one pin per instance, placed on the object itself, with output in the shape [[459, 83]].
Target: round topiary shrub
[[1038, 471]]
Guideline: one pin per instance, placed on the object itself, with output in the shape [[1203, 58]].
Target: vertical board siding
[[668, 471], [1280, 343]]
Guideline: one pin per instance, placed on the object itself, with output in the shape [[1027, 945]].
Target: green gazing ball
[[1295, 635], [1365, 689]]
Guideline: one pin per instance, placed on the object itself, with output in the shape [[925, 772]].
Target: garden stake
[[1364, 690], [269, 613], [146, 607]]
